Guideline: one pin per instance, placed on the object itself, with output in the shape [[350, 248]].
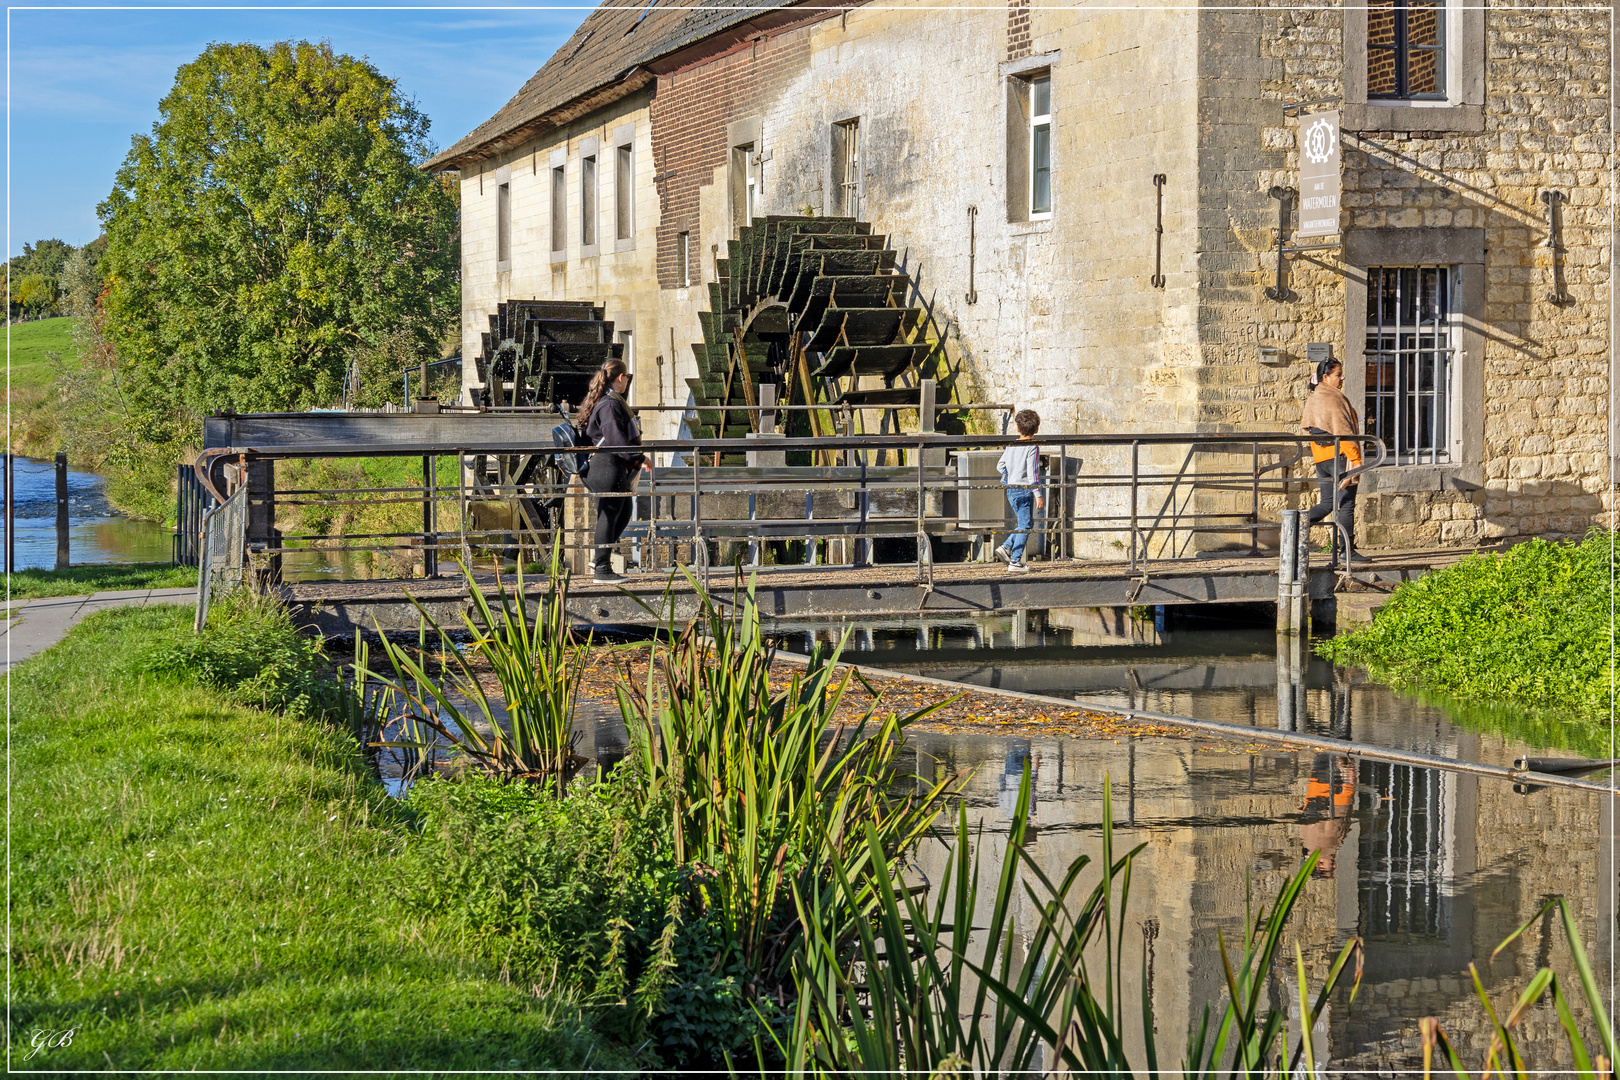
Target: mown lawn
[[83, 580], [199, 885], [30, 349]]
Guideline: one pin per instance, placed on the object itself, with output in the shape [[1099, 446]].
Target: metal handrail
[[855, 520]]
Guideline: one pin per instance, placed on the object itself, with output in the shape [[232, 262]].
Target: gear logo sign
[[1317, 142]]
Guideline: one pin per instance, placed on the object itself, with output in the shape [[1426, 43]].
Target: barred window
[[1406, 55], [1410, 361], [847, 168]]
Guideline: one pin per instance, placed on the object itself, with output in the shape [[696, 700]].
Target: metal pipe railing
[[872, 502]]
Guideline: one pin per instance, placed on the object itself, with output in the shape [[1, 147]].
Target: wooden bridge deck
[[789, 594]]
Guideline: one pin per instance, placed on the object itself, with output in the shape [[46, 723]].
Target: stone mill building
[[1020, 165]]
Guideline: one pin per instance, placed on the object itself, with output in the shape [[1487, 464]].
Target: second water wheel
[[817, 306]]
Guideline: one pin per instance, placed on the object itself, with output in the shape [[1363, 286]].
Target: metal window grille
[[1410, 361], [849, 171], [224, 548]]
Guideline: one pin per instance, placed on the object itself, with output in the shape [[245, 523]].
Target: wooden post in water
[[61, 510], [11, 513]]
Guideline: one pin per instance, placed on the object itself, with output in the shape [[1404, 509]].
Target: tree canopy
[[273, 222]]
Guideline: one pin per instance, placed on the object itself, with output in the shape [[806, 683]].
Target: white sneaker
[[1003, 554], [1018, 567]]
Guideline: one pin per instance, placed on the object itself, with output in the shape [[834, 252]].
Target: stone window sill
[[1373, 117], [1407, 478]]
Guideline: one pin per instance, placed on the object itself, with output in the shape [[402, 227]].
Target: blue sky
[[82, 82]]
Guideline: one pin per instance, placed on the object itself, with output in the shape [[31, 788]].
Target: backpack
[[565, 436]]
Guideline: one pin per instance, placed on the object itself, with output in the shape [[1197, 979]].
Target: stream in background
[[97, 532]]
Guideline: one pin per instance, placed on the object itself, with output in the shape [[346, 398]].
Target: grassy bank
[[1532, 627], [83, 580], [37, 352], [366, 479], [202, 885]]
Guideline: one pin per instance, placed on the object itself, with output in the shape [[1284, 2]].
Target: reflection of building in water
[[1433, 869], [1012, 777]]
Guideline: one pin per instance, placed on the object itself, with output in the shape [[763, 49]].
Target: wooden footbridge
[[847, 593], [894, 526]]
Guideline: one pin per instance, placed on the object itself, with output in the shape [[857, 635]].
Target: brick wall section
[[690, 111], [1018, 40]]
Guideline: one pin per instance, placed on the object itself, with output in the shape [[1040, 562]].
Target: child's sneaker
[[1018, 567], [1003, 554]]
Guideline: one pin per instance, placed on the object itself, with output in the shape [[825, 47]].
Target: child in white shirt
[[1020, 468]]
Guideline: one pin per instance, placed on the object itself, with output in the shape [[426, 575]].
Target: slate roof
[[607, 51]]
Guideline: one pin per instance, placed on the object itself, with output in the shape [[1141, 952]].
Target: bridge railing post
[[1287, 574]]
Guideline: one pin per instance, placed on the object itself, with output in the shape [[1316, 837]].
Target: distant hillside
[[30, 344]]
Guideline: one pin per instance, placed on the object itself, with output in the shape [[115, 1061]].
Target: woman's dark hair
[[1324, 368], [1028, 422], [604, 378]]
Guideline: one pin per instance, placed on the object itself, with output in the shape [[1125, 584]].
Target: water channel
[[97, 533], [1432, 868]]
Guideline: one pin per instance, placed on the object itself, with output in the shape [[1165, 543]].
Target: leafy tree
[[45, 258], [34, 293], [274, 220], [81, 279]]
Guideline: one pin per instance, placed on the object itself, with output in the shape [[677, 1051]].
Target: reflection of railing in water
[[840, 514]]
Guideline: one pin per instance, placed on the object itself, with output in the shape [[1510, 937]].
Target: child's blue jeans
[[1022, 501]]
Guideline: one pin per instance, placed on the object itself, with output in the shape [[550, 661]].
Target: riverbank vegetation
[[210, 875], [1531, 627], [290, 171]]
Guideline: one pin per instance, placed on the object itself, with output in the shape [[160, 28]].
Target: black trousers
[[1337, 501], [607, 475]]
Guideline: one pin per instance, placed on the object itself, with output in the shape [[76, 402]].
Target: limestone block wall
[[1534, 388], [621, 277]]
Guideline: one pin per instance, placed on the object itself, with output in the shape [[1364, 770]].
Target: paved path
[[33, 626]]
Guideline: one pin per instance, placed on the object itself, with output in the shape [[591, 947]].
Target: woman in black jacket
[[606, 419]]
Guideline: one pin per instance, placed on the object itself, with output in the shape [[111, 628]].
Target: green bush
[[253, 654], [581, 892], [1532, 626]]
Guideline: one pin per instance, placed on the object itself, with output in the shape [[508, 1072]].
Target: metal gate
[[192, 502], [224, 547]]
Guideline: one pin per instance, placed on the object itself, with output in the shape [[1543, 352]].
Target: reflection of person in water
[[1324, 820], [1013, 773]]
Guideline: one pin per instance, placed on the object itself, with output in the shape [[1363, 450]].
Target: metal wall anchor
[[1157, 280], [1284, 196], [973, 221], [1559, 293]]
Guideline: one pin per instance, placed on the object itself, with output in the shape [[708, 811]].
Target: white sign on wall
[[1319, 174]]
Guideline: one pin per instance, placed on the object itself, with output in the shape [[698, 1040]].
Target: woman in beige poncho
[[1328, 412]]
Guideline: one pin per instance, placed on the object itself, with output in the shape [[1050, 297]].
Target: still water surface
[[1432, 869]]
